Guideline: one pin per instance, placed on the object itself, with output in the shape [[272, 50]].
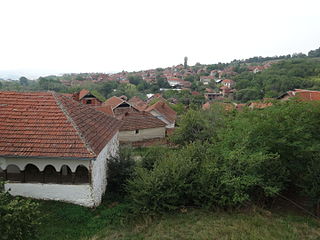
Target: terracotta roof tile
[[113, 101], [83, 93], [164, 110], [138, 103], [140, 120], [46, 124], [106, 109]]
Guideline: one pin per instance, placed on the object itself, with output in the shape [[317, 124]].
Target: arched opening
[[66, 174], [32, 174], [2, 175], [13, 173], [50, 174], [82, 175]]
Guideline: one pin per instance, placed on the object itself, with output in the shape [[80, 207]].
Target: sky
[[42, 37]]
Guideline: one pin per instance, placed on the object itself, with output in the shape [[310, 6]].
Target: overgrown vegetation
[[279, 78], [19, 217], [227, 160]]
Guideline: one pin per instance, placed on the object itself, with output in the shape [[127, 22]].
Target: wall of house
[[99, 169], [77, 194], [143, 134], [41, 163], [83, 194]]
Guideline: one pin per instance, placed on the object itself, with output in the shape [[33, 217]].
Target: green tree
[[24, 81]]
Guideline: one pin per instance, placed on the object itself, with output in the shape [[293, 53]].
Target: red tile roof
[[140, 120], [83, 93], [106, 109], [303, 95], [113, 101], [47, 124], [306, 95], [164, 110], [138, 103]]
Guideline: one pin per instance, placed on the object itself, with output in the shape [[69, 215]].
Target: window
[[89, 101], [137, 131]]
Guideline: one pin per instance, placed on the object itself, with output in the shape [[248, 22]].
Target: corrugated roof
[[47, 124]]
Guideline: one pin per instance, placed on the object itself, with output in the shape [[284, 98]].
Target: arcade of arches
[[32, 174]]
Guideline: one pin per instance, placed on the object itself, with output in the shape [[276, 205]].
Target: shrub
[[120, 169], [163, 188], [19, 218], [152, 155]]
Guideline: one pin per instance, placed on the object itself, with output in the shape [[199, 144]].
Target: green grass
[[198, 224], [65, 221]]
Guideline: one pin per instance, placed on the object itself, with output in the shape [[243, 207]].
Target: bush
[[19, 218], [120, 169], [152, 155]]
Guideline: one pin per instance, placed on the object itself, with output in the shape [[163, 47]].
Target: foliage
[[248, 94], [120, 169], [198, 125], [153, 154], [230, 159], [279, 78], [107, 88], [19, 218], [314, 53]]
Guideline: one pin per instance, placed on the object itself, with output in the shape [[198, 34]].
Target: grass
[[69, 222], [199, 225]]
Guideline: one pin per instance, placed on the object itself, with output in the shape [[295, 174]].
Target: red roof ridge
[[78, 131]]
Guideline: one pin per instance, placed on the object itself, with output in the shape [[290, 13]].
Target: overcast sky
[[59, 36]]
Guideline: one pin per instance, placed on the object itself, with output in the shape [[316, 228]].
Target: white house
[[52, 147]]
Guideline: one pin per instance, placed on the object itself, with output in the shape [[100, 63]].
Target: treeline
[[279, 78], [227, 160]]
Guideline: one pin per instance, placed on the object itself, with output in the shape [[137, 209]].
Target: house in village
[[206, 80], [228, 83], [162, 111], [118, 106], [178, 83], [301, 94], [86, 97], [141, 129], [52, 147]]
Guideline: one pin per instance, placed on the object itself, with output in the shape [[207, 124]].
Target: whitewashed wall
[[88, 195], [99, 169], [144, 134], [77, 194]]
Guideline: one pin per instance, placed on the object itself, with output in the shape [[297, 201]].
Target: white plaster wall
[[99, 169], [41, 163], [77, 194], [144, 134]]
